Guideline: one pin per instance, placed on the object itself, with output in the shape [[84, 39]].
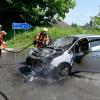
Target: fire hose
[[4, 96], [19, 50], [1, 93]]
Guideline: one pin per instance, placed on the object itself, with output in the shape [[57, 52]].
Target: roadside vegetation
[[40, 13], [24, 38]]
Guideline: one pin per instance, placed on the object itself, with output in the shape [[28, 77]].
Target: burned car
[[64, 56]]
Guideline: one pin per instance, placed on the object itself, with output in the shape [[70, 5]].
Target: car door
[[90, 60]]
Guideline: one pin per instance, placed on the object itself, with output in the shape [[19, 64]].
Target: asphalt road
[[83, 86]]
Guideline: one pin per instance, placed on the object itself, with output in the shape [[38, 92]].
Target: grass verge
[[24, 38]]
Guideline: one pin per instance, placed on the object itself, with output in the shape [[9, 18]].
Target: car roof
[[85, 35]]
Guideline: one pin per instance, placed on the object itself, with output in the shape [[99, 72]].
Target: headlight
[[30, 52]]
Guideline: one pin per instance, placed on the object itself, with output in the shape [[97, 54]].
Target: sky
[[82, 11]]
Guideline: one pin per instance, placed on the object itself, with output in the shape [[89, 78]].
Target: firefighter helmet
[[45, 29]]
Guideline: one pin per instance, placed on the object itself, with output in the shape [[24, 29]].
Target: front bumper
[[26, 72]]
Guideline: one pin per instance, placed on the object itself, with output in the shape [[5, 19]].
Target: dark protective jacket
[[41, 40]]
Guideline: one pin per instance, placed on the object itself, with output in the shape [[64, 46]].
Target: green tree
[[36, 12], [95, 21], [74, 25]]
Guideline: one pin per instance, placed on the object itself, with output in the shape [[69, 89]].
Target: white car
[[64, 56]]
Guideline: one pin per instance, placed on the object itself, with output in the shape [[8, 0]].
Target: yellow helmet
[[45, 29]]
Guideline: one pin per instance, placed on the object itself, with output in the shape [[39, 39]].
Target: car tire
[[62, 71]]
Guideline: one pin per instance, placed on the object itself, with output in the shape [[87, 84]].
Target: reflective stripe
[[40, 39]]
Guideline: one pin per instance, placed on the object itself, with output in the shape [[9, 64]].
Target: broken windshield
[[62, 42]]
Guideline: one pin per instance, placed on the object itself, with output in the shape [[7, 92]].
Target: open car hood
[[41, 53], [55, 48]]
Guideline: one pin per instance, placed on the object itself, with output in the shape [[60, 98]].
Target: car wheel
[[62, 71]]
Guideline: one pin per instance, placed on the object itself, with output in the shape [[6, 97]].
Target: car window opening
[[82, 46]]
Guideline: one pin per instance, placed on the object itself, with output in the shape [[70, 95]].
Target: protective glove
[[44, 45], [34, 42]]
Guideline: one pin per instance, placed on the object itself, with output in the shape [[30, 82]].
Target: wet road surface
[[84, 86]]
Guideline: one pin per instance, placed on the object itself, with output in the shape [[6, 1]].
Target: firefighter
[[42, 38], [2, 43]]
